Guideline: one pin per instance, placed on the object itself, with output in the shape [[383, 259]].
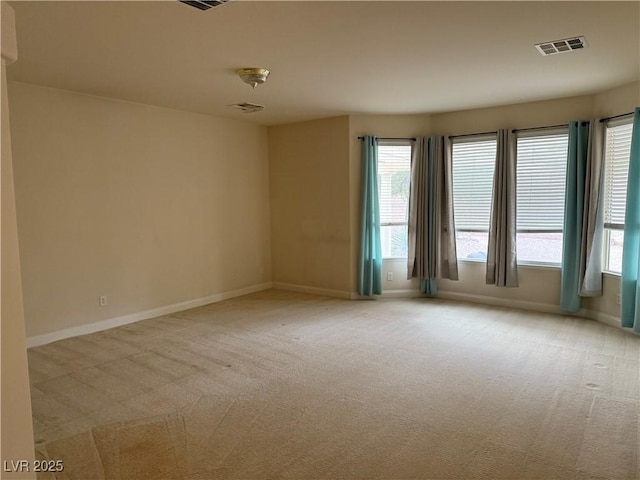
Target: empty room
[[320, 240]]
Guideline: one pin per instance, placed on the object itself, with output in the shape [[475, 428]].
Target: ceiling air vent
[[204, 4], [561, 46], [247, 107]]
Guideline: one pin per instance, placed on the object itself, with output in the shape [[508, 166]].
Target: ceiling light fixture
[[253, 76]]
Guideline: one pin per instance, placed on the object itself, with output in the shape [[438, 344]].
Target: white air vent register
[[561, 46]]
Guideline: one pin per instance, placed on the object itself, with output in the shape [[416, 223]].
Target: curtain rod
[[472, 134], [513, 131], [540, 128], [616, 116], [391, 138]]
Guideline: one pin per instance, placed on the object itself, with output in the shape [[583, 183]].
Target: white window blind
[[473, 167], [618, 150], [394, 173], [541, 170], [394, 166]]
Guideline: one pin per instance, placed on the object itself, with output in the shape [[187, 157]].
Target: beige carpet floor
[[292, 386]]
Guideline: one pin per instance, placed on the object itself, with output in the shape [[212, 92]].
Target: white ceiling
[[326, 58]]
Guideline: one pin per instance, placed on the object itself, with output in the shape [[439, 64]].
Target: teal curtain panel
[[370, 261], [574, 201], [630, 288]]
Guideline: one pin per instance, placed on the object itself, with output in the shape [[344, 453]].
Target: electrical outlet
[[618, 299], [103, 300], [389, 276]]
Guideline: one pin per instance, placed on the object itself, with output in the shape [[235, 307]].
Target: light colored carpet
[[292, 386]]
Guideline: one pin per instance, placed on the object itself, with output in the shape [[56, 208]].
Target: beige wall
[[16, 439], [524, 115], [146, 205], [103, 186], [617, 100], [309, 178]]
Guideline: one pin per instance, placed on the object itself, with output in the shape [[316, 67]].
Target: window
[[616, 172], [394, 174], [541, 171], [473, 166]]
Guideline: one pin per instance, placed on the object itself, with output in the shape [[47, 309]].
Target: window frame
[[608, 228], [541, 132], [394, 143], [472, 138]]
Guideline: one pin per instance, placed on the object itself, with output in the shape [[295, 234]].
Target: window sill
[[472, 260], [555, 266], [544, 266], [521, 264]]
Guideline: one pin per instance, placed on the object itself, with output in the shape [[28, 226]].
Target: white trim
[[609, 273], [540, 265], [327, 292], [401, 293], [472, 260], [504, 302], [46, 338], [605, 318], [38, 340], [471, 298], [357, 296], [601, 317], [521, 263]]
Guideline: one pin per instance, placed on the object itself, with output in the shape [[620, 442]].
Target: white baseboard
[[605, 318], [312, 290], [471, 298], [400, 293], [46, 338], [503, 302], [38, 340], [403, 293]]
